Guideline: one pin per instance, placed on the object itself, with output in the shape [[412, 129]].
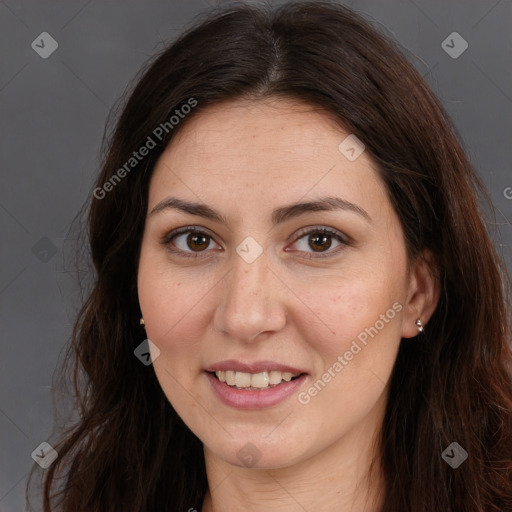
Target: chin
[[258, 453]]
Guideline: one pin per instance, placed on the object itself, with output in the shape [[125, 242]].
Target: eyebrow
[[279, 215]]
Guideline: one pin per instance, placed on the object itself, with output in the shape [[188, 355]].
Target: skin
[[244, 159]]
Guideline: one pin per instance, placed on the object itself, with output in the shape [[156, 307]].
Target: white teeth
[[287, 376], [259, 380], [253, 380], [275, 377], [242, 380]]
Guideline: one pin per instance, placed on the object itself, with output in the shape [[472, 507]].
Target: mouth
[[259, 386], [254, 381]]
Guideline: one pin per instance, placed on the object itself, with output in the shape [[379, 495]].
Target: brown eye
[[189, 242], [319, 242], [198, 241]]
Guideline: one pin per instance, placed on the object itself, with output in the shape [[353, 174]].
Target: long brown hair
[[129, 450]]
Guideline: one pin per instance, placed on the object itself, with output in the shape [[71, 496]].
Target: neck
[[338, 478]]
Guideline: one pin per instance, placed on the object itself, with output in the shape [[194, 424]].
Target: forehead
[[284, 128], [275, 148]]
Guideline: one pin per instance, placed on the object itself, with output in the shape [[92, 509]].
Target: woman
[[296, 303]]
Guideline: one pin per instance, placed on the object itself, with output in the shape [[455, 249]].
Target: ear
[[423, 294]]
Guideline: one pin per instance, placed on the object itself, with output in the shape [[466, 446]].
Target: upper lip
[[254, 367]]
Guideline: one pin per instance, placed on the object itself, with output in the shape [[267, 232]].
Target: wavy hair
[[128, 449]]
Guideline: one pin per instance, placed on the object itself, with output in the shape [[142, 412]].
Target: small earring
[[142, 321], [420, 325]]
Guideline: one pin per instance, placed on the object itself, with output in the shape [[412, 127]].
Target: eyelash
[[343, 239]]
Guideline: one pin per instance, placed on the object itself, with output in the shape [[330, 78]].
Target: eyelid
[[169, 237], [307, 230], [185, 229], [341, 237], [319, 228]]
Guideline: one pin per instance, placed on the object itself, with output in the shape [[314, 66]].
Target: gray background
[[52, 115]]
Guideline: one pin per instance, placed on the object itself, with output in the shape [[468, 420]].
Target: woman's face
[[289, 259]]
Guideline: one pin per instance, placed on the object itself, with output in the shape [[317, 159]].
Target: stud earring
[[420, 325], [142, 321]]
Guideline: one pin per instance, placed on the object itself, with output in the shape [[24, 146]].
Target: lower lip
[[246, 399]]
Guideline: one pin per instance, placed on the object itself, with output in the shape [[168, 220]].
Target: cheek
[[170, 306], [171, 312], [354, 364], [343, 307], [172, 315], [352, 327]]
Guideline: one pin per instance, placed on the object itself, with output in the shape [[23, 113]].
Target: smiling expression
[[266, 250]]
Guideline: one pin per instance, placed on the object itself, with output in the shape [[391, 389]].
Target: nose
[[251, 301]]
